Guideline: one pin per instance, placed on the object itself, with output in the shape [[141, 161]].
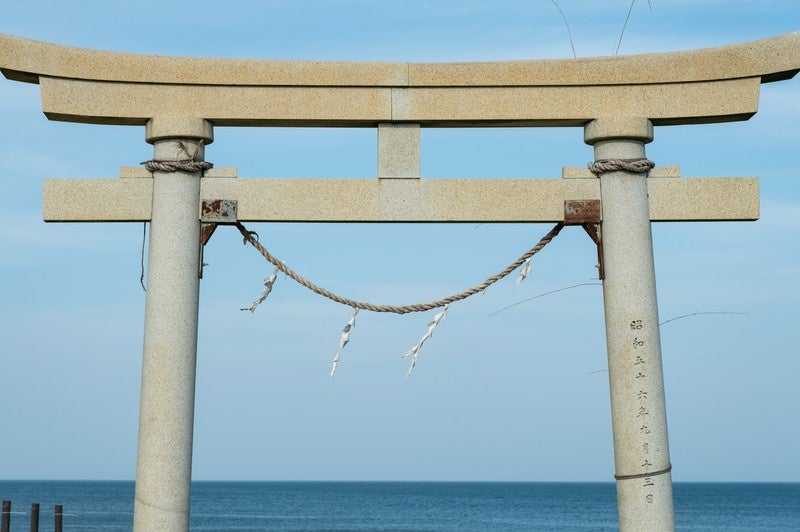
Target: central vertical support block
[[638, 410], [166, 415], [398, 151]]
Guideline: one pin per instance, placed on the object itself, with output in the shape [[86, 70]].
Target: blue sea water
[[412, 506]]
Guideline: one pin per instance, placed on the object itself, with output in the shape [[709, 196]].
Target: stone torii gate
[[617, 100]]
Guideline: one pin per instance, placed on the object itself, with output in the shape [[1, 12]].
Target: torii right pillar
[[638, 411]]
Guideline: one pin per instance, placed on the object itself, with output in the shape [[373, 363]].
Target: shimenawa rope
[[421, 307], [184, 165], [637, 166], [190, 164]]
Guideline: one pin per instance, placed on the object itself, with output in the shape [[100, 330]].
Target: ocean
[[411, 506]]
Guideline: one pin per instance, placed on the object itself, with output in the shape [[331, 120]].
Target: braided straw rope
[[184, 165], [422, 307], [636, 166], [192, 163]]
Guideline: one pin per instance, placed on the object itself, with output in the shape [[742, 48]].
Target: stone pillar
[[638, 411], [166, 415]]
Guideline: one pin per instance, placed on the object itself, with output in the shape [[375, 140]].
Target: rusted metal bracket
[[213, 213], [587, 214]]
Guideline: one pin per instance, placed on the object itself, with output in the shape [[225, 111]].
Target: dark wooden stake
[[6, 520], [35, 517], [59, 517]]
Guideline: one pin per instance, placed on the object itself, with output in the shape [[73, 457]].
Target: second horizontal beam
[[401, 200]]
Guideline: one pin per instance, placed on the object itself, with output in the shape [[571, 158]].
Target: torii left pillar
[[166, 414]]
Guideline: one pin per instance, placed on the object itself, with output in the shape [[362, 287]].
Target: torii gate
[[617, 100]]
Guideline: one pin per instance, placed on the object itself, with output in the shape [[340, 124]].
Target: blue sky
[[520, 395]]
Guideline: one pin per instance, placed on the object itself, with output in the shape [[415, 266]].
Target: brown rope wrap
[[636, 166], [422, 307], [183, 165]]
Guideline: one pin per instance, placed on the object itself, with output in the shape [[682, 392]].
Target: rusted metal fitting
[[213, 213], [579, 212], [218, 211], [588, 214]]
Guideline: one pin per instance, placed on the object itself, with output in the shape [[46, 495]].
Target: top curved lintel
[[770, 59]]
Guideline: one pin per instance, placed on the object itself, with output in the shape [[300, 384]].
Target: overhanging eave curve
[[772, 59], [698, 86]]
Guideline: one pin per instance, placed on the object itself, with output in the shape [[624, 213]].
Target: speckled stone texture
[[399, 200], [638, 410], [718, 84], [166, 414], [398, 151], [617, 99]]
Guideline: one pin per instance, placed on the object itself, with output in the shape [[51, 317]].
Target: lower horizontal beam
[[400, 200], [702, 199], [97, 200]]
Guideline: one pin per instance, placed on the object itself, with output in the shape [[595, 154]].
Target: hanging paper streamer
[[414, 351], [526, 269], [524, 261], [268, 282], [343, 340]]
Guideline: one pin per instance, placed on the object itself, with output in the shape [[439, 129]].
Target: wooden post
[[59, 518], [6, 520], [35, 517]]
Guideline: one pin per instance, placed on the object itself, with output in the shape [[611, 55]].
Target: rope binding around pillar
[[183, 165], [637, 166], [191, 164]]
